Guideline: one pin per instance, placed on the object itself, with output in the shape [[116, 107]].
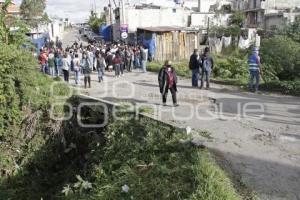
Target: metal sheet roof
[[162, 28]]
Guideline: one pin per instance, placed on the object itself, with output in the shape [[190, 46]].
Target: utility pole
[[111, 20], [123, 11], [95, 7], [199, 6]]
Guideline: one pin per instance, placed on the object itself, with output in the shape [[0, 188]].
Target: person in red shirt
[[117, 61], [167, 80], [43, 60]]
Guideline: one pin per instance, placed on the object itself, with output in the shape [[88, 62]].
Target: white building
[[193, 13], [268, 14], [56, 28]]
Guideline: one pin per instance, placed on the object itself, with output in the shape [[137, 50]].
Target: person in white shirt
[[66, 67], [77, 69]]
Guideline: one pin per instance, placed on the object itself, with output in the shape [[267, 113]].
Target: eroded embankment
[[133, 157]]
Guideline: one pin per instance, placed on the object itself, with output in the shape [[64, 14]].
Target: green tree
[[7, 22], [292, 30], [237, 19], [33, 12], [95, 21], [4, 29], [234, 28]]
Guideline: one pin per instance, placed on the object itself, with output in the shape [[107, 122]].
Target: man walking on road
[[86, 69], [101, 65], [167, 80], [194, 65], [51, 64], [254, 69], [66, 67]]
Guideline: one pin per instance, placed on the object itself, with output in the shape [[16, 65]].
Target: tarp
[[40, 41], [149, 43], [244, 43], [215, 44], [226, 41], [105, 31]]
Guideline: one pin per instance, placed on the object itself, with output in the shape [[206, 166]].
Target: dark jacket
[[163, 79], [86, 66], [210, 59], [195, 62]]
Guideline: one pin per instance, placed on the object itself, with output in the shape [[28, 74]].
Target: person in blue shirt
[[254, 69], [58, 63], [207, 65]]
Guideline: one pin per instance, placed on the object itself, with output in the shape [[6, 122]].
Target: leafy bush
[[285, 87], [232, 67], [281, 55], [153, 162], [292, 30], [24, 100]]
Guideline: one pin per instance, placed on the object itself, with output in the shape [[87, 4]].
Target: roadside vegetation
[[41, 158], [130, 159], [46, 159]]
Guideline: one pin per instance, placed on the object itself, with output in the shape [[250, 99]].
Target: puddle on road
[[289, 137], [270, 138]]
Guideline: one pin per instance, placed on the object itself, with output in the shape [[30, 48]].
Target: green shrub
[[154, 164], [24, 99], [281, 55], [285, 87], [231, 68]]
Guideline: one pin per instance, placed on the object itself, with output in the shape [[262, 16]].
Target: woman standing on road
[[66, 67]]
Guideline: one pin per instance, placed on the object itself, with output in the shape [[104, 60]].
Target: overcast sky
[[75, 10], [79, 10]]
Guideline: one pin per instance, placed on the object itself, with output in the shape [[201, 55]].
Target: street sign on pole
[[124, 35], [124, 31]]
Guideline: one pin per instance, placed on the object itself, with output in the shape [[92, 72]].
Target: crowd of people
[[83, 60]]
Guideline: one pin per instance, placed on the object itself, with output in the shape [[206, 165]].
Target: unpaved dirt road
[[258, 135]]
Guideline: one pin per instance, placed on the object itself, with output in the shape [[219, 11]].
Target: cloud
[[75, 10]]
